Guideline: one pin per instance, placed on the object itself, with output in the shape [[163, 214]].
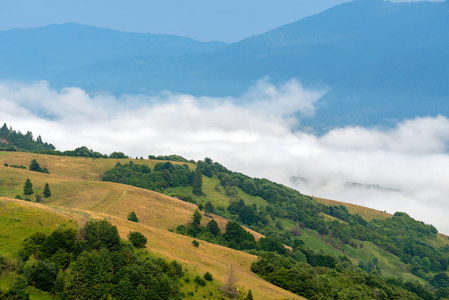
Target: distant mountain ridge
[[381, 61], [39, 53]]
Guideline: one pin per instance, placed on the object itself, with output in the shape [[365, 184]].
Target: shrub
[[133, 217], [137, 239], [200, 281], [208, 276], [195, 243]]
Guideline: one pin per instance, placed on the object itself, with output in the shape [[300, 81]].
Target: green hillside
[[325, 234]]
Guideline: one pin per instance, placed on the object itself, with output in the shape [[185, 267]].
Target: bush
[[200, 281], [133, 217], [208, 276], [137, 239], [195, 243]]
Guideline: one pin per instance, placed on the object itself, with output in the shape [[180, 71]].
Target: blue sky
[[204, 20]]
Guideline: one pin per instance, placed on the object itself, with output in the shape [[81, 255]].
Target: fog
[[404, 168]]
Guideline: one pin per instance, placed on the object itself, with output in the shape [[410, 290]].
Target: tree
[[213, 228], [196, 218], [209, 208], [118, 155], [137, 239], [28, 187], [34, 166], [47, 192], [198, 182], [208, 276], [101, 234], [133, 217]]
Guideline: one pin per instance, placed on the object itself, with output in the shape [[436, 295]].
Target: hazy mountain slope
[[38, 53], [381, 61]]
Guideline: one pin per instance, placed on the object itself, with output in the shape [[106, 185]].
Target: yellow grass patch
[[365, 212]]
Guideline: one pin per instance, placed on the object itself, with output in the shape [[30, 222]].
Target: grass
[[20, 219], [365, 212], [73, 167], [77, 195]]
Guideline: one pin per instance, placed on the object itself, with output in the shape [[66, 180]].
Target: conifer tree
[[209, 208], [28, 187], [196, 218], [47, 192], [198, 182], [34, 166]]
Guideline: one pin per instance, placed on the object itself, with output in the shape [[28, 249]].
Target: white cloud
[[251, 134]]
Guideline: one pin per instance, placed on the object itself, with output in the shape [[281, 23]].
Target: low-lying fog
[[405, 168]]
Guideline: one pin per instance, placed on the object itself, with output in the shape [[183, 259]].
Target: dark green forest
[[93, 263]]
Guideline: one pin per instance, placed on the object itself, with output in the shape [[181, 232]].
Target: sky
[[204, 20], [404, 168]]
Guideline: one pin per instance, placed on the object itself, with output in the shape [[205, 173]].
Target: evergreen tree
[[213, 228], [47, 192], [198, 182], [34, 166], [196, 218], [209, 208], [28, 187]]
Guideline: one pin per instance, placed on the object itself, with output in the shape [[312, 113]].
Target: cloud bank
[[400, 169]]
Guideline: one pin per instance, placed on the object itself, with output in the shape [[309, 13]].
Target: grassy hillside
[[76, 199], [79, 195]]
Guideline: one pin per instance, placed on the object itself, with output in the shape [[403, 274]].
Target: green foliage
[[28, 187], [47, 192], [208, 276], [12, 140], [137, 239], [196, 219], [200, 281], [32, 245], [325, 283], [34, 166], [95, 272], [213, 228], [165, 175], [133, 217], [78, 152], [198, 182], [168, 157], [41, 274], [101, 234], [250, 295], [118, 155], [18, 290], [271, 244], [237, 237], [209, 208], [195, 243]]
